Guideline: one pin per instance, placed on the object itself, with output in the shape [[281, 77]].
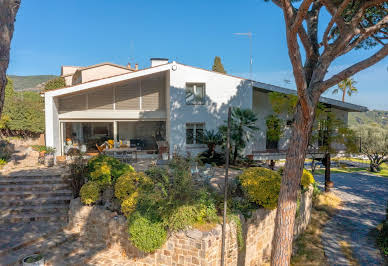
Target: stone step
[[30, 176], [31, 181], [13, 195], [35, 209], [4, 202], [18, 218], [40, 245], [34, 187]]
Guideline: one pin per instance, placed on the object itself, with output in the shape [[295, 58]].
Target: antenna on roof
[[249, 34]]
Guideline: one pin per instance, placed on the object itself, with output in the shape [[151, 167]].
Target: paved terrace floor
[[364, 199]]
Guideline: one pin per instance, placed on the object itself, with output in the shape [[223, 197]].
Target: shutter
[[101, 98], [72, 103], [151, 93], [128, 96]]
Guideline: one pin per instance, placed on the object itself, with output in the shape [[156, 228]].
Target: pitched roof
[[256, 84], [97, 65]]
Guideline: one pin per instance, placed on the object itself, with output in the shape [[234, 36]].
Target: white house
[[169, 102]]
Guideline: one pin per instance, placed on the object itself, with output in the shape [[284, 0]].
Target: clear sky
[[51, 33]]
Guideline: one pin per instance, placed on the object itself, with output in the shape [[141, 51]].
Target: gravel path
[[364, 199]]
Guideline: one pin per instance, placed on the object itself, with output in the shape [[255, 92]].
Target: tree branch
[[337, 18], [350, 71], [300, 16], [365, 33]]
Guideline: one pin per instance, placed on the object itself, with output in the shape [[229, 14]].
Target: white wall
[[52, 134], [222, 91]]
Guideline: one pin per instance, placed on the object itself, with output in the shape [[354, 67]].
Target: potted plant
[[33, 260], [49, 156]]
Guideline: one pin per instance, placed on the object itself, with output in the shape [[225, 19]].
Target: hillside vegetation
[[29, 83], [374, 117]]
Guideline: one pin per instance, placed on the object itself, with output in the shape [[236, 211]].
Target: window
[[195, 93], [194, 133]]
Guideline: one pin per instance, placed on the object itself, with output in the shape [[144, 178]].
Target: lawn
[[382, 173]]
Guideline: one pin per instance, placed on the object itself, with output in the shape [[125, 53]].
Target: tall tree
[[352, 24], [8, 10], [217, 65], [346, 86]]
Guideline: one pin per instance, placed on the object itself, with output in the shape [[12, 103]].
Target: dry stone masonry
[[189, 247]]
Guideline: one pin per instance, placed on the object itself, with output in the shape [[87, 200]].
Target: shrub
[[262, 186], [307, 179], [182, 217], [55, 83], [128, 205], [128, 183], [106, 170], [146, 234], [78, 171], [90, 192]]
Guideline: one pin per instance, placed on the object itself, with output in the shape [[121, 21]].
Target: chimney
[[136, 67], [158, 61], [129, 65]]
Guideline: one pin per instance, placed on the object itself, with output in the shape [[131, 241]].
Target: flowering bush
[[90, 192], [261, 185], [129, 182], [307, 179], [105, 170], [128, 205]]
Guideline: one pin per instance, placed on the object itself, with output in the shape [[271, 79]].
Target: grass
[[347, 251], [309, 247], [382, 173]]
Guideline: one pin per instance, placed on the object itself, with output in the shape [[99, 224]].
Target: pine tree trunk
[[285, 215], [8, 10], [327, 172]]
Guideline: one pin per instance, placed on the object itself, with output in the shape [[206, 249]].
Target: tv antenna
[[249, 35]]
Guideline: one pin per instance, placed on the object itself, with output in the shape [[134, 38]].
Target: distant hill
[[367, 118], [29, 83]]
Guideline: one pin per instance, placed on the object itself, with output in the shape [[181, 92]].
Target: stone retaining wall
[[190, 247]]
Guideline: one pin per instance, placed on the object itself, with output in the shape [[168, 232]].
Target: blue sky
[[49, 34]]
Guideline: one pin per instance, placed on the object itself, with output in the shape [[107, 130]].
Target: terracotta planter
[[330, 184]]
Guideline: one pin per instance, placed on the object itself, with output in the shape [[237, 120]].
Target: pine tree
[[217, 65]]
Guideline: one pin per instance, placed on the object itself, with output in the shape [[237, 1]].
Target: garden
[[167, 199]]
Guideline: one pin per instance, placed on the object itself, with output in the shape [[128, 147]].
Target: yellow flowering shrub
[[262, 186], [307, 179], [106, 170], [90, 192], [128, 205], [129, 182]]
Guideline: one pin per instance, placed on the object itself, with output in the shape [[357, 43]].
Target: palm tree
[[243, 124], [212, 138], [346, 86]]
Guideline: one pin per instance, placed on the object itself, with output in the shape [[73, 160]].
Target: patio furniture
[[123, 154]]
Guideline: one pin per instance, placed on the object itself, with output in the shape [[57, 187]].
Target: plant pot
[[38, 262], [49, 160], [330, 184]]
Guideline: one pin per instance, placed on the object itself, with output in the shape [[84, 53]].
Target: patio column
[[115, 131]]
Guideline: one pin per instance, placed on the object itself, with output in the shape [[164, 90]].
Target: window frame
[[194, 127], [194, 84]]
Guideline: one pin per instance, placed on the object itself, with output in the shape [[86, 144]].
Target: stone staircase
[[27, 197]]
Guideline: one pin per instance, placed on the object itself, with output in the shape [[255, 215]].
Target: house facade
[[168, 102]]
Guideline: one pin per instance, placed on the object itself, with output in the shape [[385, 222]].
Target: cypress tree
[[217, 65]]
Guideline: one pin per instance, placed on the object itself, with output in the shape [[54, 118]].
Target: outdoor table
[[122, 153]]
